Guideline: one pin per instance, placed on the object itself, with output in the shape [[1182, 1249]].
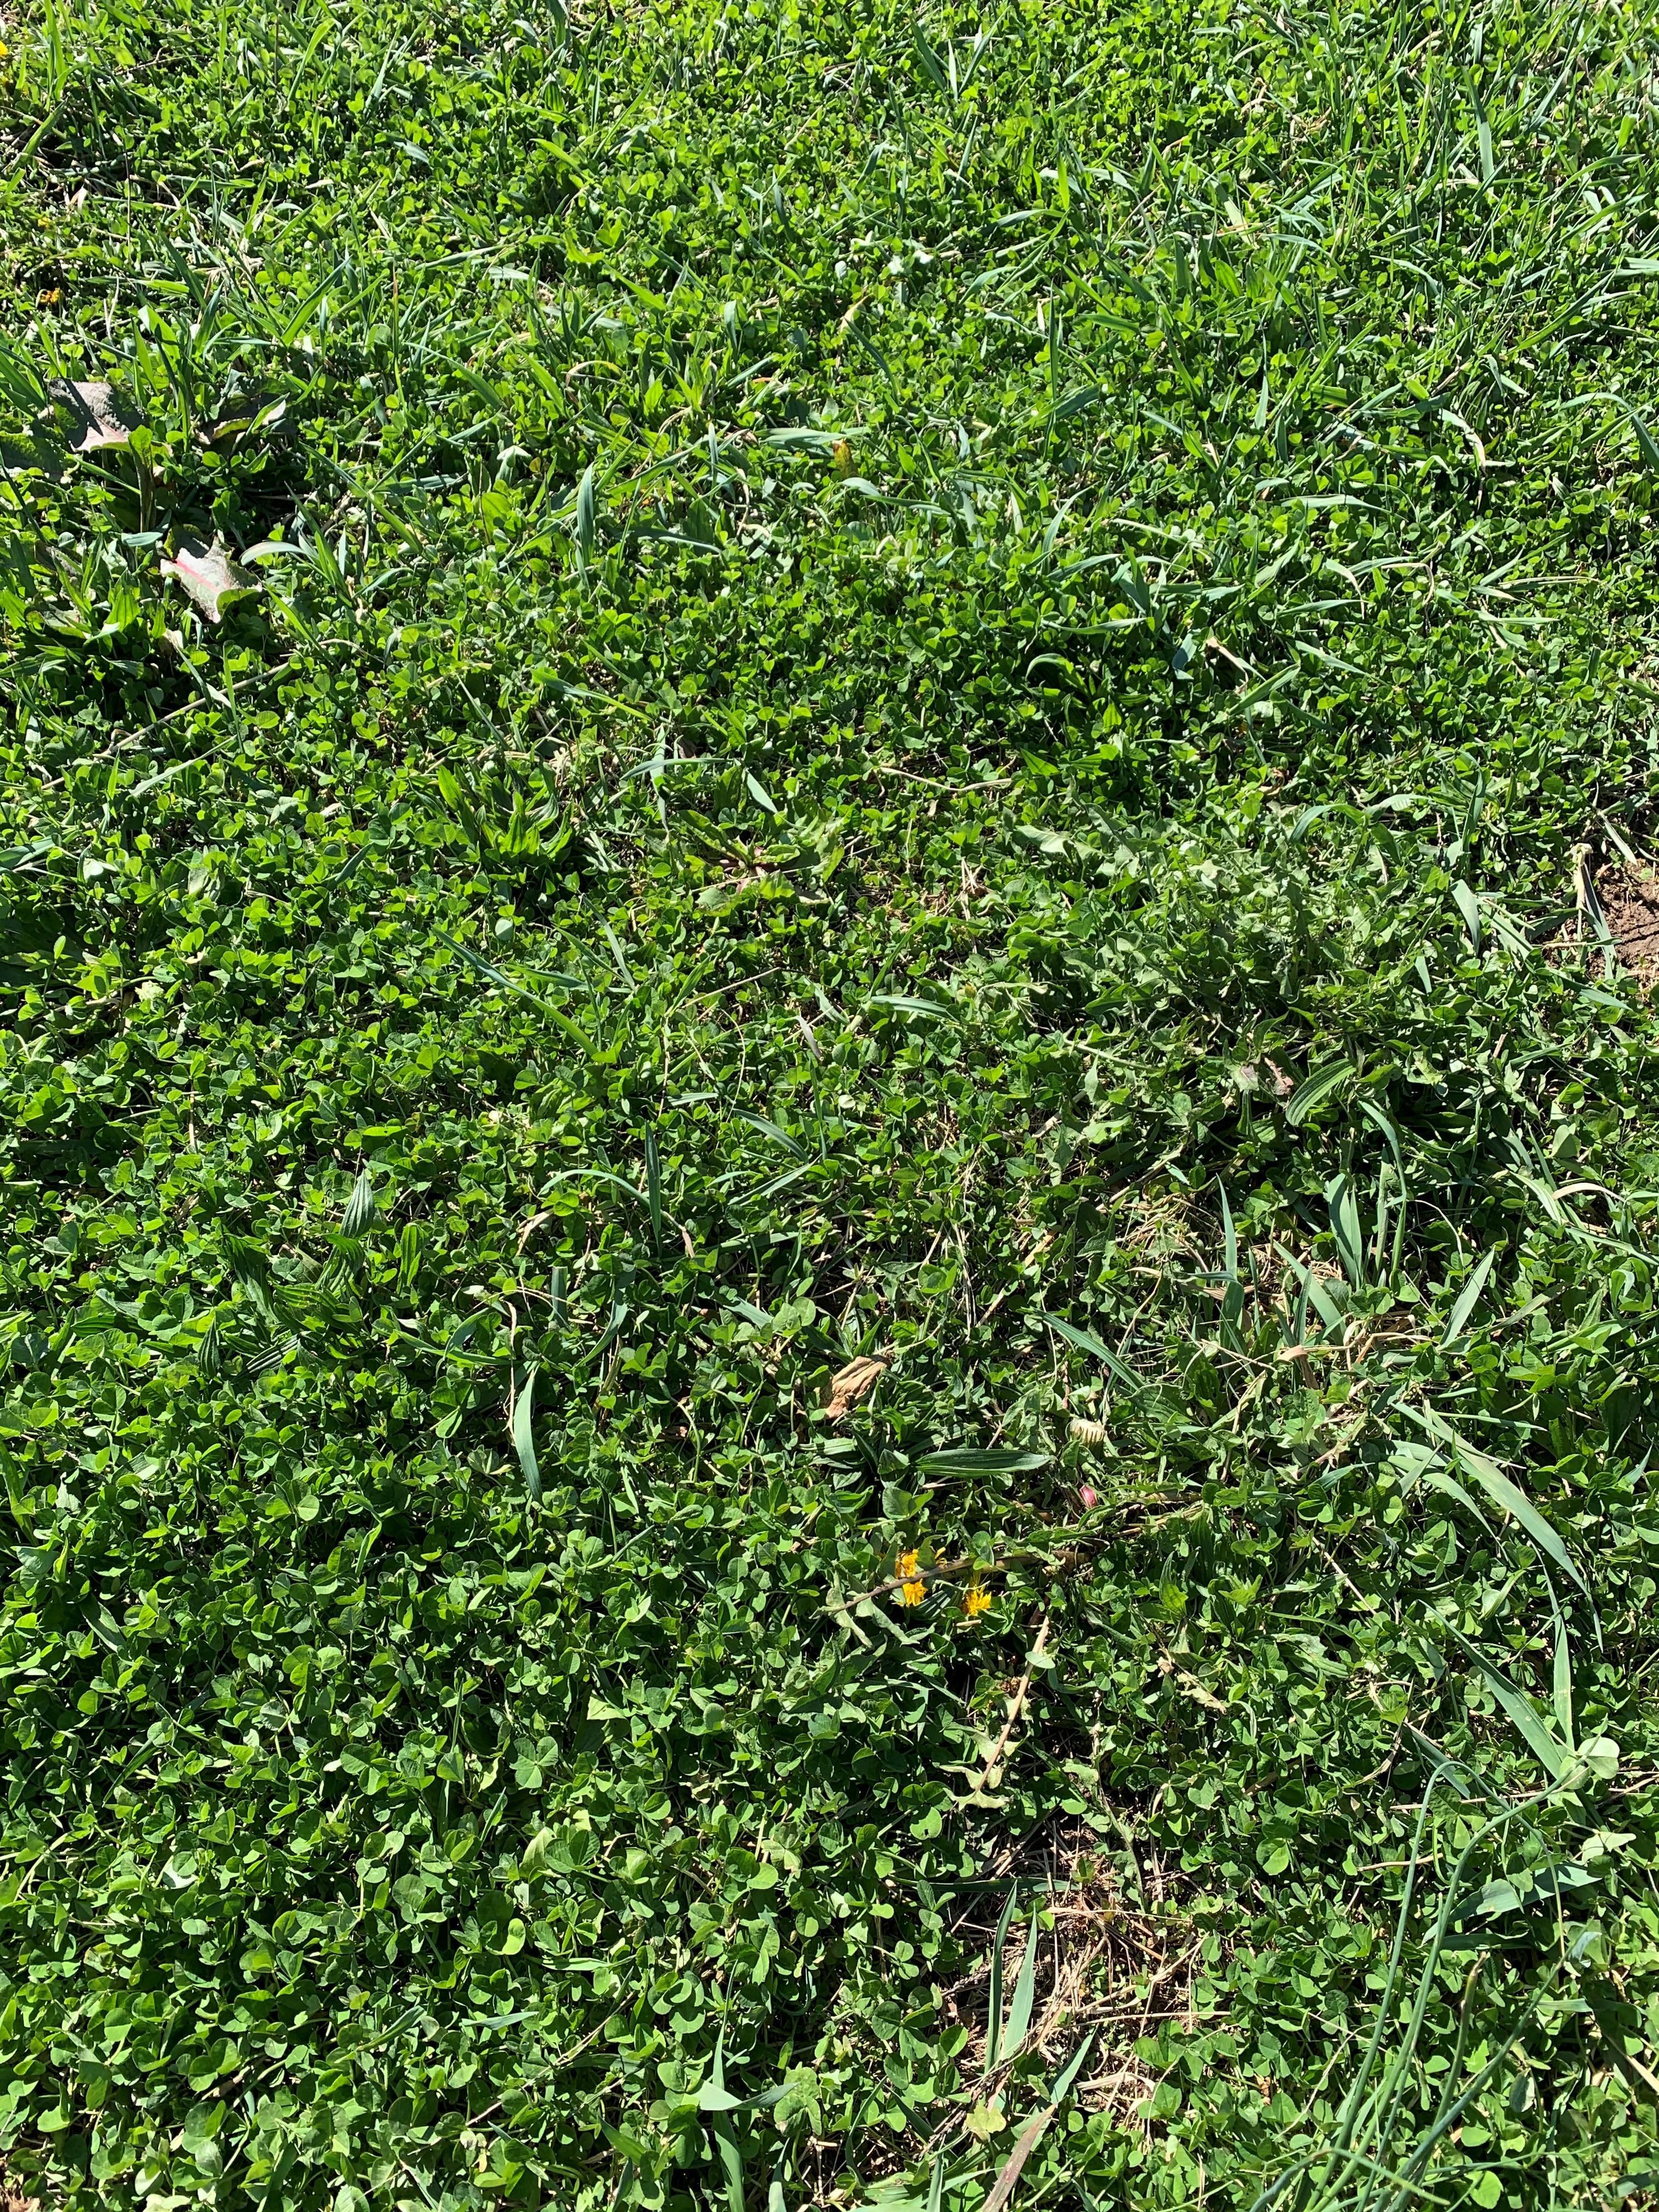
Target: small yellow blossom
[[975, 1599], [913, 1592], [908, 1568]]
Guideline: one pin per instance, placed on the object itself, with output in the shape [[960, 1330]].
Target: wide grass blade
[[360, 1207], [1314, 1089], [1316, 1293], [654, 1189], [586, 522], [1346, 1228], [522, 1441]]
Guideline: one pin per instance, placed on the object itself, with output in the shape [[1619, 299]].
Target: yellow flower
[[974, 1600], [913, 1592], [907, 1568]]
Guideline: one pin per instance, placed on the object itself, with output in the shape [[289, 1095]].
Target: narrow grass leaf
[[1550, 1753], [1346, 1228], [1470, 1296], [1500, 1489], [653, 1189], [1644, 439], [1072, 2068], [1019, 2011], [1436, 1475], [1468, 906], [586, 507], [504, 982], [993, 2007], [1318, 1293], [1085, 1340], [1561, 1686]]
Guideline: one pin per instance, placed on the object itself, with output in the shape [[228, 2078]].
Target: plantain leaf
[[969, 1460]]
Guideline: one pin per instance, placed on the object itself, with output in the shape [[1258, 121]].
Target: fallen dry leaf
[[855, 1380], [208, 576], [97, 416]]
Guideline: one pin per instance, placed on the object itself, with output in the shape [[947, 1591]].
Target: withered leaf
[[97, 416], [855, 1380]]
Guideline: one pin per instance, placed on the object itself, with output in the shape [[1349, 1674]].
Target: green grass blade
[[1318, 1293], [968, 1460], [1499, 1489], [1551, 1753], [1562, 1684], [1230, 1240], [654, 1189], [1470, 1296], [586, 519], [993, 2011], [1315, 1088], [505, 982], [1346, 1228], [1085, 1340], [1019, 2011], [522, 1441]]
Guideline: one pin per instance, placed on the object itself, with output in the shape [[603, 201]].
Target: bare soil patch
[[1629, 900]]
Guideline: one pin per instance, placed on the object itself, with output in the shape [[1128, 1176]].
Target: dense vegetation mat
[[827, 1148]]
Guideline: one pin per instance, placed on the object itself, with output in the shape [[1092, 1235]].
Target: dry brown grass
[[1117, 1967]]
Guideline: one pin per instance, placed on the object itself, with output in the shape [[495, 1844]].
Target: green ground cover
[[944, 692]]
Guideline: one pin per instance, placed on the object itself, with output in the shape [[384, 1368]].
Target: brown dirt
[[1629, 900]]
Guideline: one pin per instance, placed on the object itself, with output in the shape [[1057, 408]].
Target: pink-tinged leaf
[[97, 417], [208, 577]]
